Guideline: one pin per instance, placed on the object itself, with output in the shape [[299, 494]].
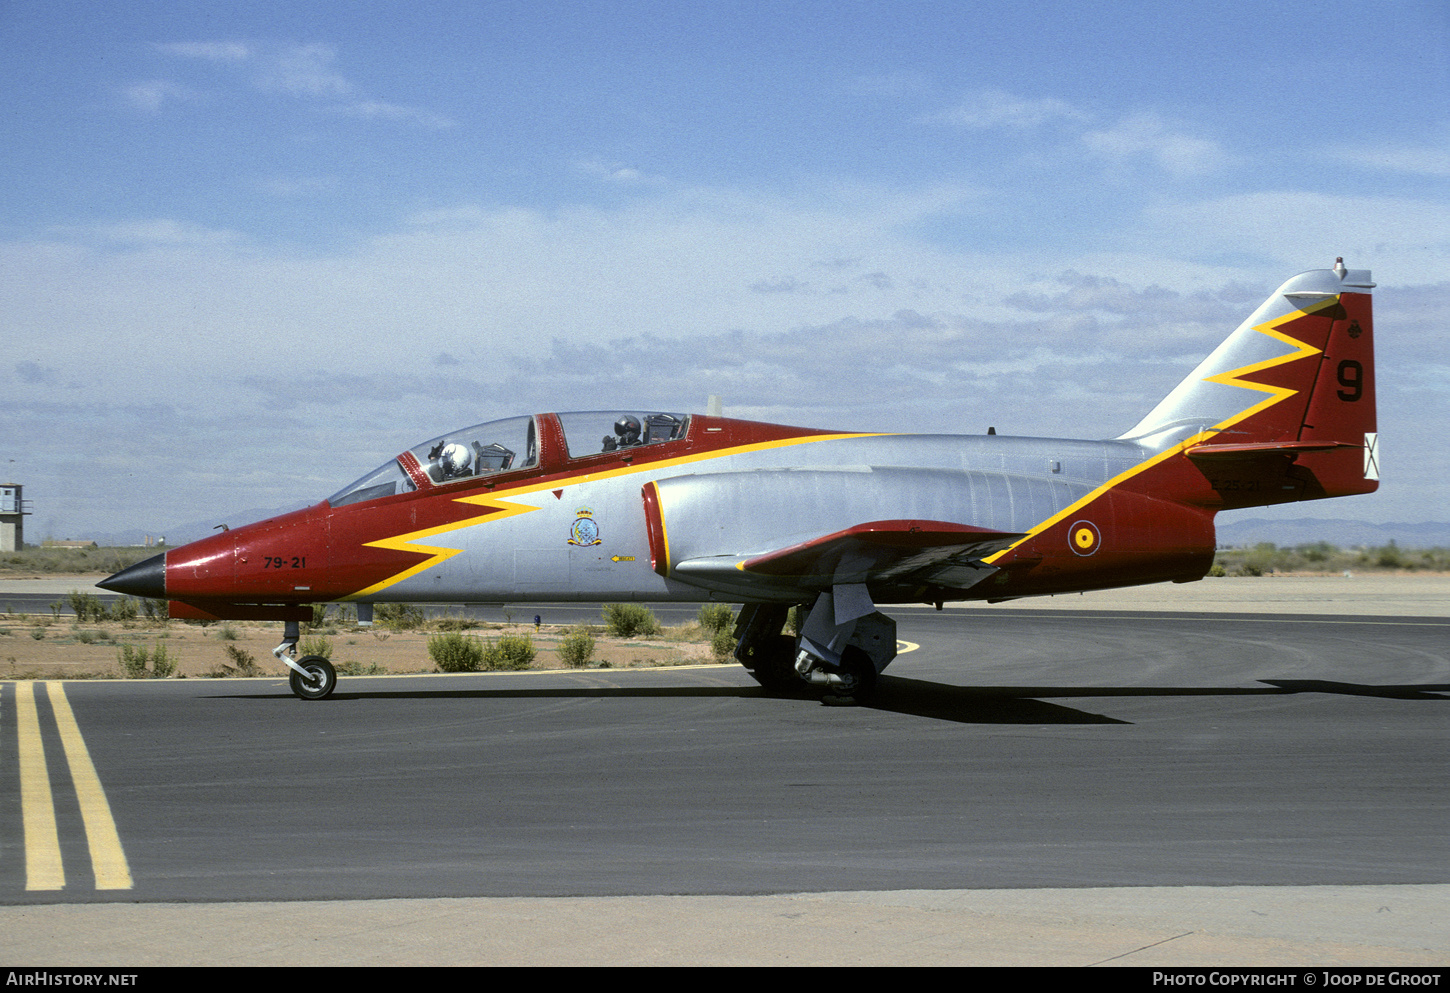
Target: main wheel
[[772, 664], [322, 678], [858, 665]]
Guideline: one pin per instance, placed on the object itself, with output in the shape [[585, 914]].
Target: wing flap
[[880, 548]]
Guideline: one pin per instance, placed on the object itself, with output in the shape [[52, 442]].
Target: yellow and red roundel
[[1083, 537]]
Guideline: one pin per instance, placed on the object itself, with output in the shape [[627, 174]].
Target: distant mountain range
[[1345, 534], [181, 534], [1300, 531]]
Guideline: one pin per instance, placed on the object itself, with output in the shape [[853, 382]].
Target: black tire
[[856, 663], [772, 665], [323, 682]]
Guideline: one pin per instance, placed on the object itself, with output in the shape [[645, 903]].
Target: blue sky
[[251, 250]]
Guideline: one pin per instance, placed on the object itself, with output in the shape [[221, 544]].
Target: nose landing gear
[[313, 676], [319, 680]]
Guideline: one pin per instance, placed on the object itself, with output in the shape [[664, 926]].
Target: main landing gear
[[313, 676], [844, 644]]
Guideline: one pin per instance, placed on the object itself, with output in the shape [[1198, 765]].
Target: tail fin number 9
[[1351, 377]]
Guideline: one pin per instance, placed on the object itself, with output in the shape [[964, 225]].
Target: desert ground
[[42, 646]]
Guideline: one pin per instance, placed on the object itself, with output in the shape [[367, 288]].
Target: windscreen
[[484, 449]]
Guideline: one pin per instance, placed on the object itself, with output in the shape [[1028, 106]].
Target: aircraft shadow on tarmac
[[1027, 704], [917, 697]]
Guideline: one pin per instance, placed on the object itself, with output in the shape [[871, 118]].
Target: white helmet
[[455, 459]]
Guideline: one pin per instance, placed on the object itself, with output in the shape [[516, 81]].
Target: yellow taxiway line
[[44, 869]]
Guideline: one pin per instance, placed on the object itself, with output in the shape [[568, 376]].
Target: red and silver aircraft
[[640, 505]]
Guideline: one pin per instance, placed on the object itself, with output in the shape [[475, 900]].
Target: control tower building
[[12, 517]]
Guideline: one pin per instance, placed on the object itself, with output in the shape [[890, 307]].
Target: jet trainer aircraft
[[639, 505]]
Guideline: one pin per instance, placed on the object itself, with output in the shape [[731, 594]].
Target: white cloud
[[612, 172], [164, 231], [210, 51], [1141, 136], [479, 311], [1423, 160], [1146, 135], [305, 71], [302, 70], [482, 284], [465, 215], [1152, 305], [153, 93], [382, 110], [1403, 239], [996, 109]]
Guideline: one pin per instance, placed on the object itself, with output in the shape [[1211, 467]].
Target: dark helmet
[[627, 427]]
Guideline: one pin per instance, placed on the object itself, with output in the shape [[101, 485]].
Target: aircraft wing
[[794, 533], [901, 553]]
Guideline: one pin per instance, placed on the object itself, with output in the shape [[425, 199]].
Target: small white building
[[12, 517]]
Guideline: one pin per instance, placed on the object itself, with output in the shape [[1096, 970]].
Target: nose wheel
[[316, 678], [313, 677]]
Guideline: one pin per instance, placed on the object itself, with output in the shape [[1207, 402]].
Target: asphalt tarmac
[[1034, 784]]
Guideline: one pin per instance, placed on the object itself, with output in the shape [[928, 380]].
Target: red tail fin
[[1342, 404], [1284, 409]]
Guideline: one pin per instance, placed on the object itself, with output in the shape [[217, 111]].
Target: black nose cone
[[145, 579]]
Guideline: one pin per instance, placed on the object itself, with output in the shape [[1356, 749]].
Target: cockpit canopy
[[618, 429], [505, 446]]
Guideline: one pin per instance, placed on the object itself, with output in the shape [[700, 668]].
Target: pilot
[[627, 430], [626, 434], [454, 460]]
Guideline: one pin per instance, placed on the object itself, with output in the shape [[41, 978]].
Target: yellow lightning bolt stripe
[[499, 510], [1277, 394], [503, 509], [1117, 480], [758, 446]]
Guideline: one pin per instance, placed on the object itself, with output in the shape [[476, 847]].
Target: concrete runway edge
[[1123, 926]]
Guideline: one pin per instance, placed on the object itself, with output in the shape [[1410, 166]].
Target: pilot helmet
[[627, 427], [454, 459]]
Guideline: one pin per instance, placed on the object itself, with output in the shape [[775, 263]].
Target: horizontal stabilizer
[[1251, 449]]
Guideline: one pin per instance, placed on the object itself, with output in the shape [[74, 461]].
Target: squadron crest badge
[[584, 530]]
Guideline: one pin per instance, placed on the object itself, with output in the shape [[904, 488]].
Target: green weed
[[714, 617], [626, 620], [243, 664], [316, 645], [456, 652], [513, 651], [134, 660], [577, 648], [453, 651], [398, 616]]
